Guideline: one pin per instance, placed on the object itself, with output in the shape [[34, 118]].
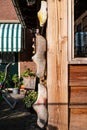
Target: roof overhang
[[27, 14]]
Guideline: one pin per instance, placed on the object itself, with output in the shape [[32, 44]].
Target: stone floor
[[19, 118]]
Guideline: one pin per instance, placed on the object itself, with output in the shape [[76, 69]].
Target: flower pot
[[15, 90], [22, 87]]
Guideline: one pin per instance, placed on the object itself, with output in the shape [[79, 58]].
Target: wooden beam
[[57, 81]]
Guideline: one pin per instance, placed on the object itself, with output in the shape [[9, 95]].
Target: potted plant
[[21, 83], [30, 99], [29, 78], [2, 74], [28, 72], [8, 81], [15, 80]]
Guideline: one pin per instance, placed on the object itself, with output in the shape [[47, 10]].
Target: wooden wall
[[66, 84], [77, 97]]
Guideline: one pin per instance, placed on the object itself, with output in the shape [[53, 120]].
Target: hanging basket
[[30, 2]]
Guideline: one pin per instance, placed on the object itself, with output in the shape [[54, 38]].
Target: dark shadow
[[26, 54], [18, 118], [50, 127]]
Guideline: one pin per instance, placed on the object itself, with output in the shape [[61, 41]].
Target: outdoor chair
[[6, 95]]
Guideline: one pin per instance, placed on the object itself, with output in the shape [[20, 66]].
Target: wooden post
[[57, 81]]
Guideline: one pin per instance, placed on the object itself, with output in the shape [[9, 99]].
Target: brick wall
[[29, 64], [7, 11], [26, 55]]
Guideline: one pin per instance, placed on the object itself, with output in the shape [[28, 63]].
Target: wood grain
[[57, 81], [78, 95], [78, 119], [77, 75]]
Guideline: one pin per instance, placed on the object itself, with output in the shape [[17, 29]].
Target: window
[[77, 32]]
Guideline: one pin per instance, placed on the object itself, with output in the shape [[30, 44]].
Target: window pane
[[80, 28]]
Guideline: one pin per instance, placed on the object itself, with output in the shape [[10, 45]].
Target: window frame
[[71, 58]]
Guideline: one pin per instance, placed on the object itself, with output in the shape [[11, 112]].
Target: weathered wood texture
[[57, 65], [77, 97], [77, 75], [78, 119]]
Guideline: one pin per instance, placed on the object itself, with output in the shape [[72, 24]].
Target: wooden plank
[[78, 106], [77, 75], [78, 119], [78, 95], [52, 85], [57, 65], [78, 83]]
